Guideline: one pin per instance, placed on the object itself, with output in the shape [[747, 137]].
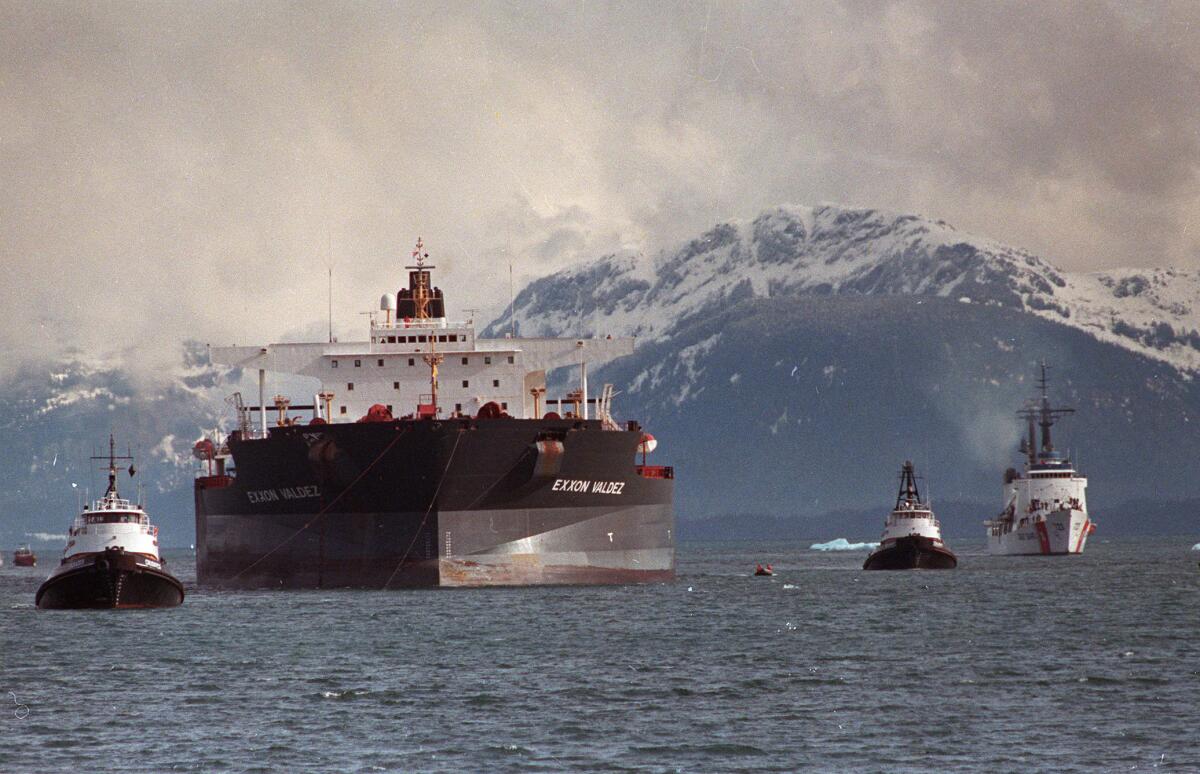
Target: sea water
[[1086, 663]]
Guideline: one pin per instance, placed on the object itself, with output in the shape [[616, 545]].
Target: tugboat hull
[[114, 579], [912, 553]]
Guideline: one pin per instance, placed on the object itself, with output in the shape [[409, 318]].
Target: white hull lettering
[[284, 493], [594, 487]]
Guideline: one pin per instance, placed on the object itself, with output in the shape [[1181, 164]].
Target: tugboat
[[912, 537], [112, 558], [1045, 509], [24, 557]]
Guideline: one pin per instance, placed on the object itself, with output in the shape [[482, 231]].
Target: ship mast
[[420, 282], [908, 497], [421, 296], [112, 466], [1040, 412]]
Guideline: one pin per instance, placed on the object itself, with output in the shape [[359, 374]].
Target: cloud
[[192, 170]]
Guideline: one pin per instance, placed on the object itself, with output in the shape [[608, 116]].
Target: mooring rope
[[429, 509]]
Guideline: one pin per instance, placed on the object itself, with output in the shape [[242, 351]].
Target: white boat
[[1045, 509]]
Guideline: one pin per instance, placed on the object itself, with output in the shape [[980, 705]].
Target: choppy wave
[[841, 544]]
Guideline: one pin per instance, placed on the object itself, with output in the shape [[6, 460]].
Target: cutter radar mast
[[1039, 413]]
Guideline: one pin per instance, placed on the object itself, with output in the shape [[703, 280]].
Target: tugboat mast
[[112, 466], [908, 496]]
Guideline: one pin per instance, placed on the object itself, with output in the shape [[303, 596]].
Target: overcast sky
[[173, 169]]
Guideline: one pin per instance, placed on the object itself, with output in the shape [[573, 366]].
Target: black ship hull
[[479, 502], [113, 579], [911, 553]]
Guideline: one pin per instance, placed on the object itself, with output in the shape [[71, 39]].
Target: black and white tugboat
[[912, 537], [111, 559]]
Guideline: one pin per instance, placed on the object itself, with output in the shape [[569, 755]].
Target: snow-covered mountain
[[831, 251], [790, 364]]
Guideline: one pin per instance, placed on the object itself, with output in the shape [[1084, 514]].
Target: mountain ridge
[[794, 251]]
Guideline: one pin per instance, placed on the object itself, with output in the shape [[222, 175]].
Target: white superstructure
[[112, 522], [1045, 506], [417, 361], [910, 517]]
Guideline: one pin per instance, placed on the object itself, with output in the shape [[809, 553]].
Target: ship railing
[[113, 504], [433, 323]]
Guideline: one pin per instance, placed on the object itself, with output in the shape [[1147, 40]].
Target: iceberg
[[841, 544]]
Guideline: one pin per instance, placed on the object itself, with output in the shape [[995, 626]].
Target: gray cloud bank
[[181, 169]]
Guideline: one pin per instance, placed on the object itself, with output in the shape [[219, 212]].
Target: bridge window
[[113, 518], [487, 361], [442, 338], [358, 364], [422, 339], [412, 361], [381, 362], [458, 407], [511, 360], [504, 407], [391, 339], [466, 383], [395, 385], [495, 382], [333, 364], [453, 337], [466, 361], [343, 410], [349, 386]]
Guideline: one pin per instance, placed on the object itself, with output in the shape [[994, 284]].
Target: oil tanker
[[430, 457]]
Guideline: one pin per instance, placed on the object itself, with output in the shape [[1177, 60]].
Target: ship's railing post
[[262, 400]]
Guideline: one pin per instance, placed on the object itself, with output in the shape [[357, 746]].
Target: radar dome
[[387, 303]]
